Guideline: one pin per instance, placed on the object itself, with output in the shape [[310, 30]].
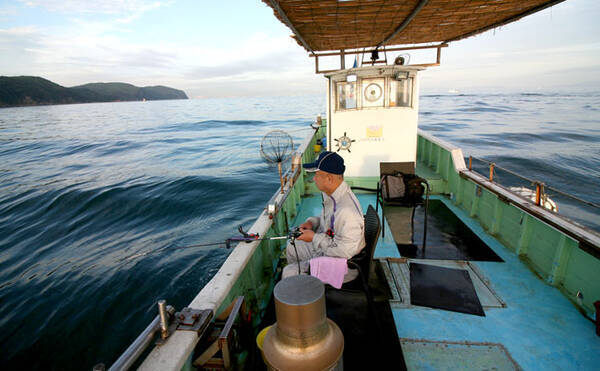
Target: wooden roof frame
[[339, 25]]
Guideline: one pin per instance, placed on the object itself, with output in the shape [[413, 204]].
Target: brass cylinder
[[303, 338]]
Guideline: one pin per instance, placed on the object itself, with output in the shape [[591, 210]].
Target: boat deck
[[528, 324]]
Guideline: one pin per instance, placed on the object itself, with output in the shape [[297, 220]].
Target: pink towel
[[329, 270]]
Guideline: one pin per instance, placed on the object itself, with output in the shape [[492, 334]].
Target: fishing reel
[[295, 232], [246, 237], [250, 237]]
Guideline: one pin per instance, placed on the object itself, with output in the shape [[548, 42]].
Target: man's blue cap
[[329, 162]]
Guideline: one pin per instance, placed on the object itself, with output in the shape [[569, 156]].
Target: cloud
[[118, 11], [257, 54], [18, 31], [113, 7], [67, 59], [8, 11], [260, 64], [13, 40], [271, 63], [18, 47]]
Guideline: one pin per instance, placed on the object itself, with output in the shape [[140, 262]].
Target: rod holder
[[280, 176], [539, 190], [164, 319], [296, 161], [492, 165], [470, 163]]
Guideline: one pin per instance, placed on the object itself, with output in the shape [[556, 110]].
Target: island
[[33, 90]]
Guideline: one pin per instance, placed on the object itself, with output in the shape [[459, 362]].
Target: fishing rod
[[249, 237], [245, 237]]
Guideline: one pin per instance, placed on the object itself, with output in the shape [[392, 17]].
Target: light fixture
[[401, 75]]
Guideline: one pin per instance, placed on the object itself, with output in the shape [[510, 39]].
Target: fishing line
[[296, 251], [139, 255], [246, 237]]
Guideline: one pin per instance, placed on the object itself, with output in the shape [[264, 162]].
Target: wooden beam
[[286, 20], [332, 54], [507, 20], [404, 23]]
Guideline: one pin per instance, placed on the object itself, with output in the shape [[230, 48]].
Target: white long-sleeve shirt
[[343, 215]]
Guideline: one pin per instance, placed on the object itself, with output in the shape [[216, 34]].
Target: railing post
[[492, 171], [539, 193], [470, 163]]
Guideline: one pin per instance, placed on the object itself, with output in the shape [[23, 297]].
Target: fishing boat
[[469, 276]]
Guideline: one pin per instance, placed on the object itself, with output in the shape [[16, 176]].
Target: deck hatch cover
[[398, 277], [422, 354], [443, 288]]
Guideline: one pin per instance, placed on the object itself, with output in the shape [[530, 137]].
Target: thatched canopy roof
[[320, 25]]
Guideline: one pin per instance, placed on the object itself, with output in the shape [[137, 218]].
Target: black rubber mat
[[369, 344], [448, 238], [443, 288]]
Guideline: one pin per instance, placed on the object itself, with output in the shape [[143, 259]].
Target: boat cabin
[[372, 115]]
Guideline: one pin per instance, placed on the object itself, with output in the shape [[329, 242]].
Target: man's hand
[[307, 235], [306, 225]]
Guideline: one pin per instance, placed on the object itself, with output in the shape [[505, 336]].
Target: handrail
[[132, 353], [588, 239], [139, 345], [532, 181]]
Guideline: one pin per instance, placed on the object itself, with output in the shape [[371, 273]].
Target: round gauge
[[373, 92]]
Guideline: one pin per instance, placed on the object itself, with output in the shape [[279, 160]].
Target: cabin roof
[[327, 25]]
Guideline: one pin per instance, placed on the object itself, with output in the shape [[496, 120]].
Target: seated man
[[339, 230]]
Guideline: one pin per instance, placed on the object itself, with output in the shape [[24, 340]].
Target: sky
[[238, 48]]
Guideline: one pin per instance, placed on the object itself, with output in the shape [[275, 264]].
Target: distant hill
[[31, 90]]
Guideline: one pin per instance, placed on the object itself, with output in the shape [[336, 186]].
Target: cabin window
[[346, 95], [401, 92]]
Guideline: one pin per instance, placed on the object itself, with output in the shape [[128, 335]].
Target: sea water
[[97, 200]]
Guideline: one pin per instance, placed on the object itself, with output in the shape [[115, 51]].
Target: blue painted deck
[[539, 327]]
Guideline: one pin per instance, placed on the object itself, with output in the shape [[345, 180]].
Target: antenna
[[276, 146]]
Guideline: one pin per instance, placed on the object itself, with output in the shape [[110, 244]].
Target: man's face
[[321, 180]]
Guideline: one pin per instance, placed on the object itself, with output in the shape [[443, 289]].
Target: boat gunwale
[[588, 240], [175, 352]]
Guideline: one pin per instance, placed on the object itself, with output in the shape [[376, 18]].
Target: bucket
[[260, 338]]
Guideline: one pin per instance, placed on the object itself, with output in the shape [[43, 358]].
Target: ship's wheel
[[344, 142]]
